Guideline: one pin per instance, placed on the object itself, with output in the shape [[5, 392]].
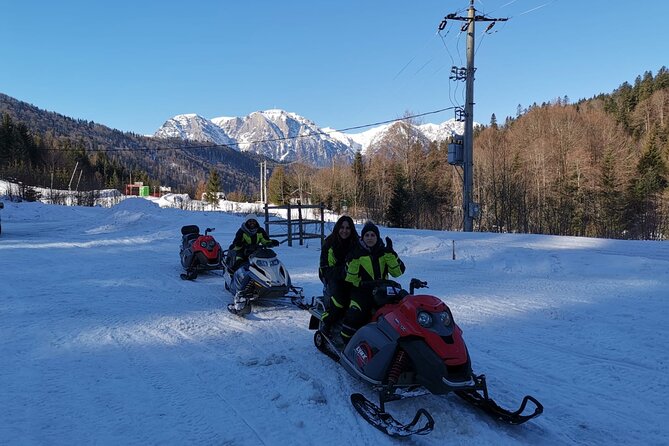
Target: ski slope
[[102, 343]]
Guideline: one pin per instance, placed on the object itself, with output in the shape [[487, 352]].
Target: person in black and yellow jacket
[[249, 234], [370, 260], [332, 270]]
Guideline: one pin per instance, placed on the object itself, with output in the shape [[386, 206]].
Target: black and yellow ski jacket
[[245, 237], [365, 264]]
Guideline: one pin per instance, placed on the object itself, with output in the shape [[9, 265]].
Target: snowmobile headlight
[[262, 263], [445, 318], [424, 319], [274, 262], [203, 244], [211, 244]]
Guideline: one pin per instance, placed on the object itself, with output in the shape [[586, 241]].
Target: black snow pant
[[337, 293], [359, 312]]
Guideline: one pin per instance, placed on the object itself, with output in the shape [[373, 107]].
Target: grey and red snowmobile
[[199, 252], [411, 347]]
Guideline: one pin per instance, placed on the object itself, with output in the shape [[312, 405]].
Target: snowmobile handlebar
[[208, 230], [384, 291], [388, 291], [250, 249], [371, 284], [415, 284]]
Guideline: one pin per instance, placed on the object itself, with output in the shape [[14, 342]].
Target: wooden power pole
[[470, 209]]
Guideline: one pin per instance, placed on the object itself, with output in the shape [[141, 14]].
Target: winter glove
[[273, 243], [328, 273], [389, 246], [341, 272]]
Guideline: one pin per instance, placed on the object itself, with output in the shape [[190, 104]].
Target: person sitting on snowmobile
[[248, 235], [332, 270], [370, 260]]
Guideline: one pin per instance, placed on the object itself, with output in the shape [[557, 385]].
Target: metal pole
[[69, 186], [264, 181], [322, 222], [290, 226], [468, 158], [299, 221]]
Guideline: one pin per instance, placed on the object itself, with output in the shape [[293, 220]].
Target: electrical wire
[[538, 7], [413, 58]]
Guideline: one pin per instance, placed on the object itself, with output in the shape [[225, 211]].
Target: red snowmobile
[[199, 252], [411, 347]]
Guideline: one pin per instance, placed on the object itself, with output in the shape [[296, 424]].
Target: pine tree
[[360, 182], [610, 200], [278, 186], [643, 211], [212, 188], [398, 214], [493, 121]]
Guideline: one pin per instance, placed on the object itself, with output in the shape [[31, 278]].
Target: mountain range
[[286, 137], [234, 146]]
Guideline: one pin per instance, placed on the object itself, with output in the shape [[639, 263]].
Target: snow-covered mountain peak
[[192, 127], [287, 136]]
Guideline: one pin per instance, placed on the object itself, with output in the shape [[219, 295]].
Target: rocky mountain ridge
[[285, 136]]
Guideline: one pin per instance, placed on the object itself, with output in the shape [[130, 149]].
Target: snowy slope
[[102, 343]]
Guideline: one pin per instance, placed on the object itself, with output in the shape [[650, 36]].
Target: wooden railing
[[296, 227]]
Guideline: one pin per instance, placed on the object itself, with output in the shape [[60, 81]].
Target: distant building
[[138, 189]]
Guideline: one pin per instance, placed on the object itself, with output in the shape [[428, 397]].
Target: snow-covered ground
[[101, 342]]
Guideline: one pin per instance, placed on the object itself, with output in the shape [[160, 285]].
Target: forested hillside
[[593, 168], [42, 148], [597, 167]]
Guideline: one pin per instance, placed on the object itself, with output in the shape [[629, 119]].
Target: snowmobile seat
[[190, 229], [188, 238]]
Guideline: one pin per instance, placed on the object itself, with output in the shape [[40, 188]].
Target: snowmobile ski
[[240, 307], [490, 407], [385, 422], [189, 275]]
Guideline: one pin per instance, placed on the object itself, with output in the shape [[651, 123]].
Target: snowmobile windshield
[[264, 253]]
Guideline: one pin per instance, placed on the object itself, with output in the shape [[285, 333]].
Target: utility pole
[[262, 186], [69, 186], [263, 182], [470, 209]]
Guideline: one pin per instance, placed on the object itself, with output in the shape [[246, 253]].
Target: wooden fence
[[296, 227]]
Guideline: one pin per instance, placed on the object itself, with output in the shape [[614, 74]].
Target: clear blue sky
[[132, 65]]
